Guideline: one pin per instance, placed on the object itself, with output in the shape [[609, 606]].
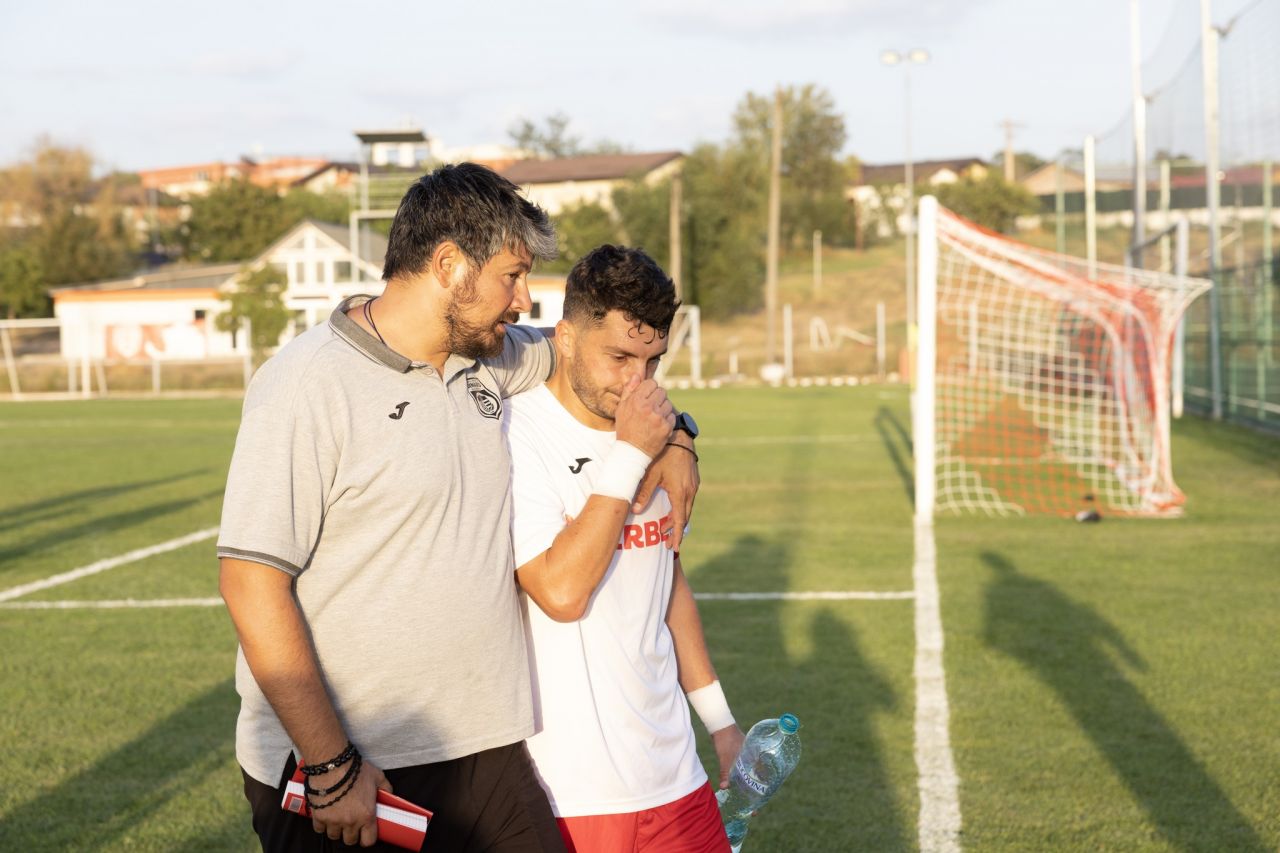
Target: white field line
[[939, 823], [759, 440], [116, 604], [109, 563], [804, 596]]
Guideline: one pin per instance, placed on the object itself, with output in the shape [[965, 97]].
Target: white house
[[170, 313]]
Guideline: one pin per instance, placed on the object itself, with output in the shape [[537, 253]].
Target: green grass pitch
[[1112, 686]]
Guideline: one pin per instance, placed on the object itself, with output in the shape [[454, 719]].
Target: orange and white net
[[1052, 379]]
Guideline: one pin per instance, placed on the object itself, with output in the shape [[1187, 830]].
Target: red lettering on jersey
[[652, 533], [633, 536], [664, 524]]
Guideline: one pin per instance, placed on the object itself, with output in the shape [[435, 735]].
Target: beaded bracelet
[[346, 777], [331, 764], [350, 787]]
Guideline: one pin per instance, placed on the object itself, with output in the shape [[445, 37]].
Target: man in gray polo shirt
[[365, 544]]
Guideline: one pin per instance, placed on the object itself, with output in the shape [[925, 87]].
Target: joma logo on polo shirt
[[644, 535]]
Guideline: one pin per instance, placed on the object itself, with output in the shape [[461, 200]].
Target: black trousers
[[489, 802]]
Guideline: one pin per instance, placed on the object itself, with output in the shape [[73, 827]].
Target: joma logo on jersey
[[644, 535]]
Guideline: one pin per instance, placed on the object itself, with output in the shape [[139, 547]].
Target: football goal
[[1044, 380]]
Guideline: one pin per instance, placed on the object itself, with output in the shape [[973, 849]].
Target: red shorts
[[691, 824]]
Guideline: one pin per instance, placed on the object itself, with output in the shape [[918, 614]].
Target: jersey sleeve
[[538, 512], [281, 473], [528, 357]]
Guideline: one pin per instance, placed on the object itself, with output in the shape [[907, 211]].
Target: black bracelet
[[332, 764], [346, 777], [682, 447], [314, 806]]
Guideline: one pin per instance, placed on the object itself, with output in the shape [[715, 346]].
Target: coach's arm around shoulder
[[562, 579], [276, 645]]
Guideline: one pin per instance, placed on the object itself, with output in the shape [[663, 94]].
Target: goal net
[[1044, 380]]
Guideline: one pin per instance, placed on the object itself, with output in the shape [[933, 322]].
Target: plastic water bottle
[[769, 754]]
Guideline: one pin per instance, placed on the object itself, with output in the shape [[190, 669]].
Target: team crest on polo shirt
[[487, 402]]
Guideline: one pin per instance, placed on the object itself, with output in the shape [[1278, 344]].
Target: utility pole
[[775, 216], [673, 233], [1010, 162]]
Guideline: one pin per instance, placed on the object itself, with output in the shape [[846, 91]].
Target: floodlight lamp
[[918, 55], [890, 57]]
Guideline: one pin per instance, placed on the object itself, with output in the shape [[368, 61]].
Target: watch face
[[686, 422]]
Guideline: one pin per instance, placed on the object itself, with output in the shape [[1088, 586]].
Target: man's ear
[[566, 338], [448, 264]]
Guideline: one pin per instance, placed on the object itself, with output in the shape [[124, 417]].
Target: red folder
[[400, 822]]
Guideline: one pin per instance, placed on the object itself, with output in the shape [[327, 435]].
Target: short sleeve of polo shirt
[[527, 360], [281, 472]]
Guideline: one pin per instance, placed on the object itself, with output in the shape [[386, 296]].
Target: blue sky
[[148, 84]]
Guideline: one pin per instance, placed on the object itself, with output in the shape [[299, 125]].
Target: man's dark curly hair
[[615, 278], [474, 207]]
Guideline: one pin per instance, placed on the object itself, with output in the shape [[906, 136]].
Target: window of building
[[535, 313], [301, 272], [342, 271], [199, 315], [319, 271]]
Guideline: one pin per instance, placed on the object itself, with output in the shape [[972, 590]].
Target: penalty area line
[[109, 563]]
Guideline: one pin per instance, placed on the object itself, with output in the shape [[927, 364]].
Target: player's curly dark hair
[[616, 278]]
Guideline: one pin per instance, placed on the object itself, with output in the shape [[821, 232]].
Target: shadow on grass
[[97, 808], [100, 525], [842, 796], [886, 422], [21, 516], [1068, 646]]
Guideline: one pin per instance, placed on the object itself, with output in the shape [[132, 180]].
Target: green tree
[[21, 282], [580, 228], [644, 212], [259, 300], [813, 177], [238, 219], [991, 201], [550, 140], [71, 220], [724, 225], [234, 222]]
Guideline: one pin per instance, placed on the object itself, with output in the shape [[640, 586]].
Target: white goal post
[[1044, 380]]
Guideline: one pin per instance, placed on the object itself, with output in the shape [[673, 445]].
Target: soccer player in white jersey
[[615, 641]]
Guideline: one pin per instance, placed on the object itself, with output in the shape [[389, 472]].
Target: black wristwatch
[[685, 422]]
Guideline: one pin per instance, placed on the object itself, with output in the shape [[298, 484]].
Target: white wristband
[[621, 471], [711, 707]]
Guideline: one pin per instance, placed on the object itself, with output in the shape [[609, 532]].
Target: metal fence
[[1248, 386]]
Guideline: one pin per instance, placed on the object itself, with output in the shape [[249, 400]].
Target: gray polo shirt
[[382, 487]]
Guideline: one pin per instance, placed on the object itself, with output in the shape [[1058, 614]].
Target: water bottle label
[[748, 778]]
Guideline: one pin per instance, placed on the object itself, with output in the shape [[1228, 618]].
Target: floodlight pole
[[1209, 56], [906, 59], [1139, 137]]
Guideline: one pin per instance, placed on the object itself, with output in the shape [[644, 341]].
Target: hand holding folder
[[400, 822]]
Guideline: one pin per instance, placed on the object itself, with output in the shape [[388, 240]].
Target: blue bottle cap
[[789, 723]]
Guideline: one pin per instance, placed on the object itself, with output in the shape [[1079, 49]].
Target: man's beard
[[593, 398], [468, 339]]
